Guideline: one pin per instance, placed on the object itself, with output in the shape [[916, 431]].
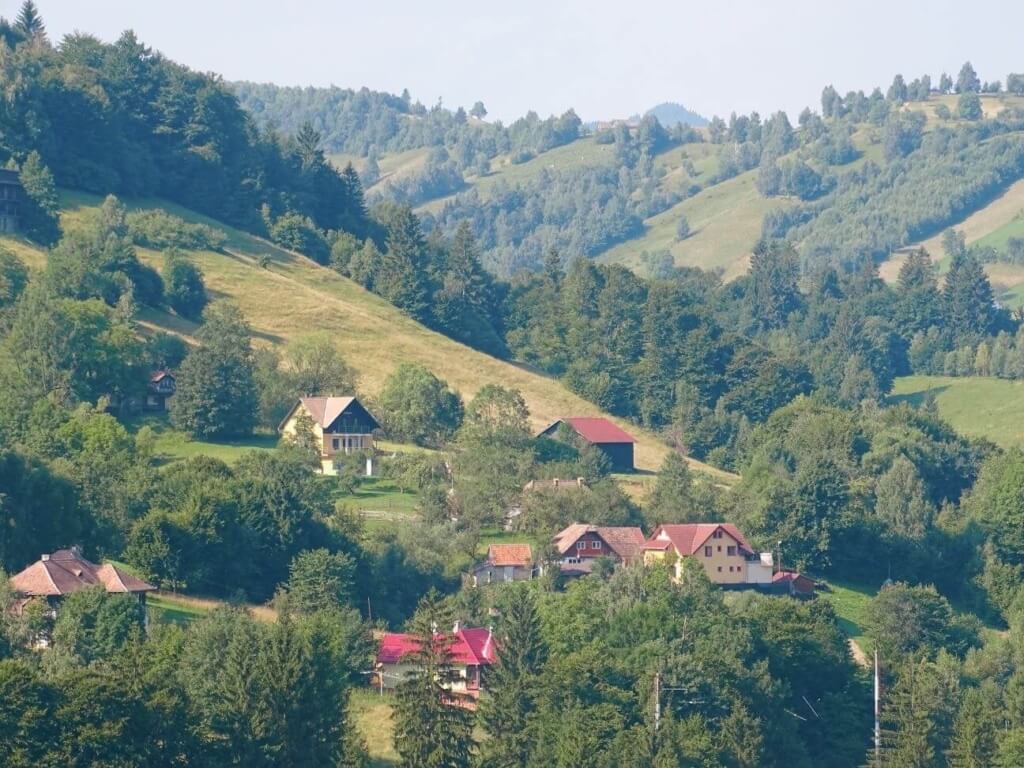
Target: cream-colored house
[[720, 547], [341, 426]]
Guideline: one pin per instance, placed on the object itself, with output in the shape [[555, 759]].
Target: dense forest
[[780, 376]]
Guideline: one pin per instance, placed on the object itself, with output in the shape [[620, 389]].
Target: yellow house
[[341, 426], [720, 547]]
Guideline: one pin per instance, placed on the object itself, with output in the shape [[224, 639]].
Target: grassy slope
[[725, 221], [294, 296], [975, 406]]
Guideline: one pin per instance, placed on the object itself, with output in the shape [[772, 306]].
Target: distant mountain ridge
[[672, 113]]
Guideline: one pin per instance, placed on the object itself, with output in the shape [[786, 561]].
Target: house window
[[707, 551], [335, 444], [719, 547], [717, 534], [719, 569], [595, 545], [730, 550], [581, 545]]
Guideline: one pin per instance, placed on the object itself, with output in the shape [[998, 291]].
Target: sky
[[604, 59]]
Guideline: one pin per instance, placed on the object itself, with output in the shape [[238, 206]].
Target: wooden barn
[[615, 443]]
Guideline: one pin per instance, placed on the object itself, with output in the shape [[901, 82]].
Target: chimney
[[44, 558], [456, 627], [554, 482], [579, 482], [76, 550]]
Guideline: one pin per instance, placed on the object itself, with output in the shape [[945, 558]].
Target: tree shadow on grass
[[917, 399]]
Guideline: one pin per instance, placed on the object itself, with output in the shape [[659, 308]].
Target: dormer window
[[595, 545], [581, 545]]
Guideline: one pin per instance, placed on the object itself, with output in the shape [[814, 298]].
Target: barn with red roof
[[613, 441]]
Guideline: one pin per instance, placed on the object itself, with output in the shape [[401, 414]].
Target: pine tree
[[402, 275], [672, 499], [773, 292], [430, 732], [29, 22], [508, 711], [969, 309], [975, 731]]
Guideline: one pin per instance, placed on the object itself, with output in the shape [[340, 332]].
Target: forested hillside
[[461, 279]]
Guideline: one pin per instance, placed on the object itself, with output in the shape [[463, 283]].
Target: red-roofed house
[[470, 649], [615, 443], [341, 426], [580, 544], [726, 555], [65, 571], [505, 562]]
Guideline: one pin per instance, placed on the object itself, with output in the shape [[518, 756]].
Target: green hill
[[975, 406], [291, 295]]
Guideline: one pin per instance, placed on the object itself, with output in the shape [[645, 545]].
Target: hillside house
[[505, 562], [161, 388], [579, 545], [720, 547], [64, 572], [341, 426], [11, 195], [470, 649], [613, 442]]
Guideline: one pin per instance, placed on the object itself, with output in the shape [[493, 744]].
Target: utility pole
[[657, 701], [878, 722]]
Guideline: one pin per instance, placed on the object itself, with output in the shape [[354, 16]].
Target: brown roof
[[66, 571], [324, 410], [687, 538], [626, 541], [509, 554], [159, 376]]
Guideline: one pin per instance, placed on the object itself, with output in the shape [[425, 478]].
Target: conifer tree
[[402, 277], [969, 309], [29, 22], [671, 501], [429, 731], [508, 711]]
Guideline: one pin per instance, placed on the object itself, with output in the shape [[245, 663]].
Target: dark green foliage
[[429, 733], [967, 297], [508, 714], [417, 407], [40, 205], [319, 580], [161, 230], [93, 624], [119, 117], [29, 23], [183, 285], [40, 510], [902, 620], [298, 233], [967, 81], [217, 394], [403, 275], [968, 106], [773, 293]]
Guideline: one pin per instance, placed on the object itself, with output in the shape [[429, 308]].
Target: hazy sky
[[605, 59]]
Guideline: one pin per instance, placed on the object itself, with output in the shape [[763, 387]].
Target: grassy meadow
[[976, 406]]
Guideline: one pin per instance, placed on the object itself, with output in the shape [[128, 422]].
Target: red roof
[[157, 376], [66, 571], [472, 645], [688, 538], [797, 581], [509, 554], [595, 430]]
